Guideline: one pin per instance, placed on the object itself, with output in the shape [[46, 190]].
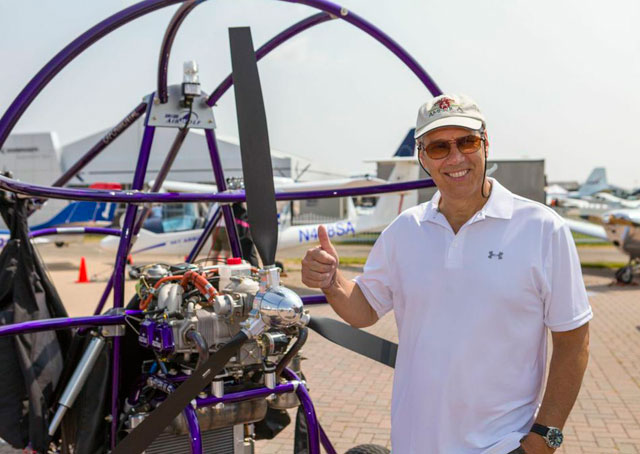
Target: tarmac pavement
[[352, 394]]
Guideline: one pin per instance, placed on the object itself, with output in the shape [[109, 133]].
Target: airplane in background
[[595, 196], [605, 216], [621, 227], [176, 235], [596, 182], [75, 214]]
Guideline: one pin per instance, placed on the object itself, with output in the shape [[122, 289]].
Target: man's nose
[[455, 155]]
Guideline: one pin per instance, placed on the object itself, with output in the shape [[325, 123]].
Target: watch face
[[554, 437]]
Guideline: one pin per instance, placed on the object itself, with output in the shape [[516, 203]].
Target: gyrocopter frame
[[156, 108]]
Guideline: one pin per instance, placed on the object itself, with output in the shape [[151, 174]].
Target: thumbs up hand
[[320, 264]]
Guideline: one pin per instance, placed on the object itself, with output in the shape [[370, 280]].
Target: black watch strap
[[539, 429]]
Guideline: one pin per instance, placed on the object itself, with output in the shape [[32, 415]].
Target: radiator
[[216, 441]]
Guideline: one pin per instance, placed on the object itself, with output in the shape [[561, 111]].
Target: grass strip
[[608, 265]]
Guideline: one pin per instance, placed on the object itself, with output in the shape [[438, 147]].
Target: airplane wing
[[282, 185], [587, 228], [320, 185]]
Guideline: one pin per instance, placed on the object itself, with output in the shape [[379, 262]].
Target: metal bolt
[[108, 418], [344, 11]]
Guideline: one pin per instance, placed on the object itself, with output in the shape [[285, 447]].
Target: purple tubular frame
[[118, 273], [208, 228], [73, 230], [57, 63], [218, 174], [324, 440], [109, 137], [313, 425], [105, 296], [11, 185], [320, 436], [63, 323], [314, 299], [195, 437], [66, 55], [129, 219], [246, 395], [167, 43]]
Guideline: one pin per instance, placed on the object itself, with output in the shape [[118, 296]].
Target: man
[[475, 278]]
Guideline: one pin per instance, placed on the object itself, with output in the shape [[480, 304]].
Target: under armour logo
[[493, 254]]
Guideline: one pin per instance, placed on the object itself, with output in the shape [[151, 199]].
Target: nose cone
[[280, 307], [109, 243]]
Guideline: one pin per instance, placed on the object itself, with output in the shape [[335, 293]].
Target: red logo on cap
[[445, 103]]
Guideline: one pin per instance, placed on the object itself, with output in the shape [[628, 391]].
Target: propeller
[[254, 146], [259, 189]]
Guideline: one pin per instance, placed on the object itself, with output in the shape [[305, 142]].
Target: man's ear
[[421, 162], [486, 145], [421, 158]]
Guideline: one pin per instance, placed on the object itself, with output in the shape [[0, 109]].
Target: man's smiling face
[[459, 175]]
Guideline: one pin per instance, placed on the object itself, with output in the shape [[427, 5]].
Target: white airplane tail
[[389, 206], [596, 182]]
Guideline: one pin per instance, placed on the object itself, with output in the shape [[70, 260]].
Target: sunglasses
[[440, 149]]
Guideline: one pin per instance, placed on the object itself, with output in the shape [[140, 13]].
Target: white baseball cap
[[448, 110]]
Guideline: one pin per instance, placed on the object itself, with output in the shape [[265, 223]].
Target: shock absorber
[[77, 381]]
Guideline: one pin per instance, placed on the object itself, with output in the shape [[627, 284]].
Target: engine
[[190, 312]]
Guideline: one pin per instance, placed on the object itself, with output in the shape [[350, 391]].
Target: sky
[[556, 80]]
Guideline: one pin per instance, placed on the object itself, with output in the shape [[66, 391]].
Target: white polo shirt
[[472, 311]]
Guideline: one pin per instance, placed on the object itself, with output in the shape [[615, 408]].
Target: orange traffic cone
[[82, 275]]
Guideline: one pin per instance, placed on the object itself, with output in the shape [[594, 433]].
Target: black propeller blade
[[356, 340], [254, 146], [260, 192], [153, 425]]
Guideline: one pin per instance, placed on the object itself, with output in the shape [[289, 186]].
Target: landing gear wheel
[[625, 274], [368, 449]]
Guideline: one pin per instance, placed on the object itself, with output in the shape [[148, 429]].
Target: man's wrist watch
[[552, 435]]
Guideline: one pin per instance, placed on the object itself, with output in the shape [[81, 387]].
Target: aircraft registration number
[[337, 229]]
